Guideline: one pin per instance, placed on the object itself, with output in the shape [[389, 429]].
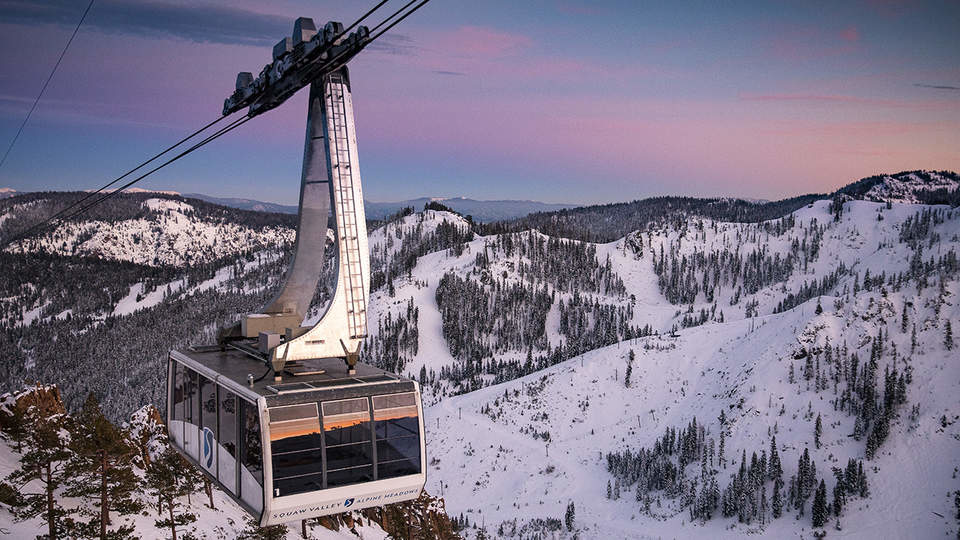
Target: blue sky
[[577, 102]]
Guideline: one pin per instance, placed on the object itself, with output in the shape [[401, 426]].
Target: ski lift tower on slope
[[334, 435]]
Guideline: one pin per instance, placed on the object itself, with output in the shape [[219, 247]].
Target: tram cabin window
[[191, 414], [227, 420], [177, 400], [295, 447], [251, 457], [346, 428], [397, 427]]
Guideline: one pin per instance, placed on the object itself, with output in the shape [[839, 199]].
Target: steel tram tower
[[336, 434], [330, 180]]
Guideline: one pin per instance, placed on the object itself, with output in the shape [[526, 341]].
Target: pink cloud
[[850, 34], [822, 98], [478, 41], [812, 43], [816, 98]]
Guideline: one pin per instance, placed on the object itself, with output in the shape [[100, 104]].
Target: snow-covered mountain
[[482, 211], [915, 187], [835, 312], [757, 301], [172, 233]]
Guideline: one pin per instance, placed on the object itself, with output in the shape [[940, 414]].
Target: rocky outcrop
[[17, 407]]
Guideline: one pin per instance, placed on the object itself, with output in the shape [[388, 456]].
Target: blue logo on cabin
[[348, 503], [207, 447]]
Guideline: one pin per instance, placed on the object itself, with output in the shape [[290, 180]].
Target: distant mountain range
[[483, 211], [616, 219], [245, 204]]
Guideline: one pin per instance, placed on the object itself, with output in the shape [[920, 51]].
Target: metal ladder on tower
[[345, 205]]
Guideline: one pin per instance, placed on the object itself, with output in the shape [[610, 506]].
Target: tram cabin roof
[[302, 379]]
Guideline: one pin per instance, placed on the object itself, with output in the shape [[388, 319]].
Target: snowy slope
[[584, 406], [858, 240], [385, 241], [703, 370]]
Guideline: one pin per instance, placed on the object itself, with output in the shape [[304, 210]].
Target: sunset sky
[[576, 102]]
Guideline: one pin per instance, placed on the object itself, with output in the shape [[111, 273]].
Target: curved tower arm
[[333, 175], [307, 263]]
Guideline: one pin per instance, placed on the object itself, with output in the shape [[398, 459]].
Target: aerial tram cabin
[[325, 434], [322, 444]]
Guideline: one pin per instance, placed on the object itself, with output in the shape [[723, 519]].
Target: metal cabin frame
[[226, 370]]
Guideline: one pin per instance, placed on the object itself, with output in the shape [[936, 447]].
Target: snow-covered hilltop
[[913, 187], [172, 233]]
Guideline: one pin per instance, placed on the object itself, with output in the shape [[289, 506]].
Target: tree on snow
[[817, 432], [255, 532], [44, 460], [101, 470], [820, 506], [170, 477]]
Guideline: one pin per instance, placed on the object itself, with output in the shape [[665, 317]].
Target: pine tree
[[170, 477], [609, 490], [723, 436], [255, 532], [17, 424], [948, 336], [913, 338], [776, 504], [817, 432], [820, 505], [775, 468], [862, 481], [839, 492], [44, 459], [626, 377], [570, 515], [904, 319], [101, 469], [763, 505]]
